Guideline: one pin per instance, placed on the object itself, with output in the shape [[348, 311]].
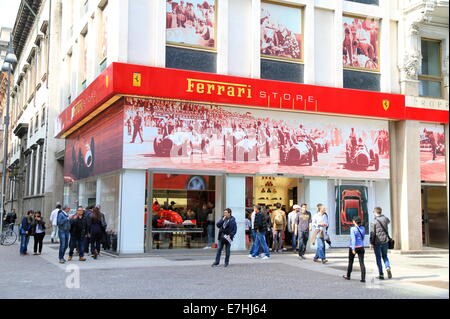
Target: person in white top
[[291, 226], [53, 220]]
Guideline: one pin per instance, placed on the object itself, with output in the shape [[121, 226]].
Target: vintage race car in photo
[[361, 158], [300, 153], [351, 206]]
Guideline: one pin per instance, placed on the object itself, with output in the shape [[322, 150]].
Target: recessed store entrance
[[434, 216], [266, 192]]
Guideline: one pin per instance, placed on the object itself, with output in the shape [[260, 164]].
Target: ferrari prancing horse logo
[[136, 79], [385, 104]]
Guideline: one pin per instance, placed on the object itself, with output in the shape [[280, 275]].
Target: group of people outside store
[[302, 224], [72, 231]]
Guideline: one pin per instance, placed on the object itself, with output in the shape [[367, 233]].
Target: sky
[[8, 12]]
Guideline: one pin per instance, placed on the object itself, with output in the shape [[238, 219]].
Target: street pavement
[[284, 276]]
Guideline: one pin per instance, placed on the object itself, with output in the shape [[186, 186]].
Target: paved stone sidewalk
[[189, 276]]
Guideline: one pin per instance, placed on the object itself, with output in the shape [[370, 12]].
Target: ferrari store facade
[[164, 151]]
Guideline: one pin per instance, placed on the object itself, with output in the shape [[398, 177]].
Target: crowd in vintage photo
[[276, 39], [217, 134], [360, 44], [191, 22]]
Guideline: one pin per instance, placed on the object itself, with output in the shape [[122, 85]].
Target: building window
[[430, 76], [375, 2], [43, 116], [36, 122], [39, 172], [281, 42], [31, 128]]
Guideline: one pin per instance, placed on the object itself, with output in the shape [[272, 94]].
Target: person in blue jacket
[[227, 229], [63, 223], [25, 232], [356, 246]]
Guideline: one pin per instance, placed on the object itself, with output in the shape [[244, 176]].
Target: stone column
[[406, 187], [131, 211], [235, 200]]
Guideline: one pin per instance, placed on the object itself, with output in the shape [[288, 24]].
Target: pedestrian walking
[[278, 220], [227, 229], [53, 220], [210, 226], [25, 232], [87, 239], [10, 218], [267, 213], [291, 226], [97, 229], [253, 230], [63, 224], [38, 232], [78, 233], [260, 227], [320, 223], [356, 246], [302, 227], [248, 228], [379, 239]]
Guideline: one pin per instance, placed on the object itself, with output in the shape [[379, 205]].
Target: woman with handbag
[[38, 231], [380, 241], [356, 246], [96, 230]]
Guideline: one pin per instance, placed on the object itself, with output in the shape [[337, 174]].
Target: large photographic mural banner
[[180, 135], [191, 23], [361, 43], [432, 153], [281, 31], [95, 148]]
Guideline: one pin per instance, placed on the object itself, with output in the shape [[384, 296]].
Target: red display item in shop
[[351, 207], [169, 216]]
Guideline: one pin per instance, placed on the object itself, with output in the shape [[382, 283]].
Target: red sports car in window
[[351, 206]]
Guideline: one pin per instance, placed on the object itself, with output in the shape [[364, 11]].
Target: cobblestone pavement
[[284, 276]]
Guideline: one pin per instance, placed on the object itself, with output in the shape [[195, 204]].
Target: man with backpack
[[379, 239], [279, 225]]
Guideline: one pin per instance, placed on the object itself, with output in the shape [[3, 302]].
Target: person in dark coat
[[10, 218], [96, 228], [227, 229], [78, 232]]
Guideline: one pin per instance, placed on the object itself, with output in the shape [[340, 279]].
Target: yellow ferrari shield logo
[[136, 79], [385, 104]]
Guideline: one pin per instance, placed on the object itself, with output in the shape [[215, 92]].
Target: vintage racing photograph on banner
[[191, 23], [432, 153], [281, 31], [95, 148], [182, 135], [361, 43]]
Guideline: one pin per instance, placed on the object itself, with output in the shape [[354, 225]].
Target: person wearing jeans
[[356, 246], [63, 223], [25, 232], [279, 225], [379, 239], [302, 227], [260, 227], [78, 232], [320, 223], [227, 229], [53, 220], [291, 226]]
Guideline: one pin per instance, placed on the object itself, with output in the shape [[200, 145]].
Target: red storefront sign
[[136, 80]]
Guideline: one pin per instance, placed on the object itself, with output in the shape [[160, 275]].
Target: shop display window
[[183, 214]]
